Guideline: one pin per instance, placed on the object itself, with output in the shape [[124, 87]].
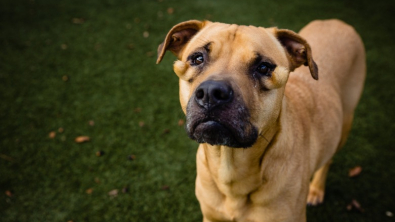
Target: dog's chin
[[215, 133]]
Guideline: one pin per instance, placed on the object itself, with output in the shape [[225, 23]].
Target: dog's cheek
[[268, 109]]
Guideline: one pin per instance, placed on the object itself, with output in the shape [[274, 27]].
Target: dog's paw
[[316, 196]]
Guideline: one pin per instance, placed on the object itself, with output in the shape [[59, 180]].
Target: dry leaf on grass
[[113, 193], [130, 46], [181, 122], [89, 191], [166, 131], [82, 139], [99, 153], [141, 123], [52, 134], [5, 157], [78, 20], [125, 189], [170, 11], [91, 123], [355, 171], [9, 193], [150, 54], [355, 205]]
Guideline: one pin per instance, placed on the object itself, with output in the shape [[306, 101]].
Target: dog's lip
[[207, 121], [203, 121]]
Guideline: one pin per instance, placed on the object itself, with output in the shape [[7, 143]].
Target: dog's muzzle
[[217, 116]]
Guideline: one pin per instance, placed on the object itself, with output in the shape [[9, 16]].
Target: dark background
[[87, 68]]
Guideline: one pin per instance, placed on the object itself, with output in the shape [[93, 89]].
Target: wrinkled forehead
[[244, 41]]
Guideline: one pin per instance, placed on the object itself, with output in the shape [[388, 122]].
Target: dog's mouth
[[228, 127]]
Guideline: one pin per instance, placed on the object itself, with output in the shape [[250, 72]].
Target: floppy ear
[[298, 51], [177, 37]]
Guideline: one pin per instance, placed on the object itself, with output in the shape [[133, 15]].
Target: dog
[[267, 123]]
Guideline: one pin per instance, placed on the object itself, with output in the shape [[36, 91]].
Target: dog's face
[[232, 78]]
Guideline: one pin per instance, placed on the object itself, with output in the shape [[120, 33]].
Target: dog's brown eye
[[197, 59], [263, 69]]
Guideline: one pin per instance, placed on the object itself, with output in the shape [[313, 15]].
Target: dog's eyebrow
[[207, 46], [260, 58]]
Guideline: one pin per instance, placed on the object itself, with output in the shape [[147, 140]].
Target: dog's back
[[337, 42], [339, 53]]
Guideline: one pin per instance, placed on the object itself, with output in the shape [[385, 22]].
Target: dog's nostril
[[200, 94], [220, 94]]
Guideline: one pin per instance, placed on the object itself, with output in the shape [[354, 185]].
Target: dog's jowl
[[269, 108]]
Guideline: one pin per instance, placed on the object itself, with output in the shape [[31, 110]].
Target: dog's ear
[[298, 50], [177, 37]]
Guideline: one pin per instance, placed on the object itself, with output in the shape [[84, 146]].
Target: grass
[[112, 79]]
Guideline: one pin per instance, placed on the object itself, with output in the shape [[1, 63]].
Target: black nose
[[213, 93]]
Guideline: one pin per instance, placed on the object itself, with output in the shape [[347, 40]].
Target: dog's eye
[[264, 69], [197, 59]]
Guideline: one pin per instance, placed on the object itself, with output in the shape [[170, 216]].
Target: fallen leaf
[[150, 54], [170, 11], [146, 34], [9, 193], [89, 191], [99, 153], [52, 134], [82, 139], [355, 171], [125, 189], [60, 130], [91, 123], [113, 193], [130, 46], [65, 78], [141, 123], [166, 131], [5, 157], [165, 187], [355, 205], [78, 20], [181, 122]]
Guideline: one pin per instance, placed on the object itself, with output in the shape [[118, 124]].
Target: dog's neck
[[232, 167]]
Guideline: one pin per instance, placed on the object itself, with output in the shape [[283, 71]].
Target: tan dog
[[237, 92]]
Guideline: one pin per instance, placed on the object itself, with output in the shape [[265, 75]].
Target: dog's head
[[232, 78]]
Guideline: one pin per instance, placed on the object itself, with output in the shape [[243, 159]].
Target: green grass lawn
[[88, 67]]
